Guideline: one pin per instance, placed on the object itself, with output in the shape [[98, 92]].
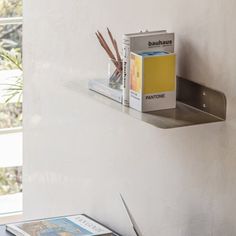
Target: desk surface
[[3, 231]]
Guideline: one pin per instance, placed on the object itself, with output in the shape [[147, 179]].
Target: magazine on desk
[[77, 225]]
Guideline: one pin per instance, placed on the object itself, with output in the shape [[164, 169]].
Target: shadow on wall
[[190, 59], [197, 65]]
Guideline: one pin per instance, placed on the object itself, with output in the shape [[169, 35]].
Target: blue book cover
[[78, 225]]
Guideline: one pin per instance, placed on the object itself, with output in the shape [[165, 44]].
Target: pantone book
[[153, 81]]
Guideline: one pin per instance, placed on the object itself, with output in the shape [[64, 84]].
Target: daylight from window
[[11, 85]]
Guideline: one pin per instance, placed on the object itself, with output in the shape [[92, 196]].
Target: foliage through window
[[10, 8], [10, 179], [11, 83]]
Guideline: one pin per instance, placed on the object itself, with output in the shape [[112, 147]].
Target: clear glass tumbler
[[115, 73]]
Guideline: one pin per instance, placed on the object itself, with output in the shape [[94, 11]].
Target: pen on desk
[[134, 224]]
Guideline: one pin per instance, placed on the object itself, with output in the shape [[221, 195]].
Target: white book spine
[[125, 77]]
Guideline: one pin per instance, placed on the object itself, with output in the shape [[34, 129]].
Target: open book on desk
[[75, 225]]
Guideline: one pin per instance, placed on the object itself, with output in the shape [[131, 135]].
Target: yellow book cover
[[152, 81]]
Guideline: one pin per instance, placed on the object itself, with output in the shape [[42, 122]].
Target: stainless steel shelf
[[196, 104]]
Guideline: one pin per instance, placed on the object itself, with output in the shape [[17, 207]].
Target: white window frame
[[11, 21]]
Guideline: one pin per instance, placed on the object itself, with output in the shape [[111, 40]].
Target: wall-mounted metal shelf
[[196, 104]]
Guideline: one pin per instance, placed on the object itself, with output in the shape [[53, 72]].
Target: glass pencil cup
[[115, 73]]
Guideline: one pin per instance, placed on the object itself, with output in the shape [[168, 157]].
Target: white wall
[[79, 154], [204, 30]]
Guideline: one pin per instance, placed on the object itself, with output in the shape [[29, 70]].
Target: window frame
[[11, 20]]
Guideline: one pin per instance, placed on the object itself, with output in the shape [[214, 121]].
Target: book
[[153, 81], [103, 87], [143, 41], [76, 225]]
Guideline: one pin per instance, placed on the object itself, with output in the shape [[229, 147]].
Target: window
[[11, 85]]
